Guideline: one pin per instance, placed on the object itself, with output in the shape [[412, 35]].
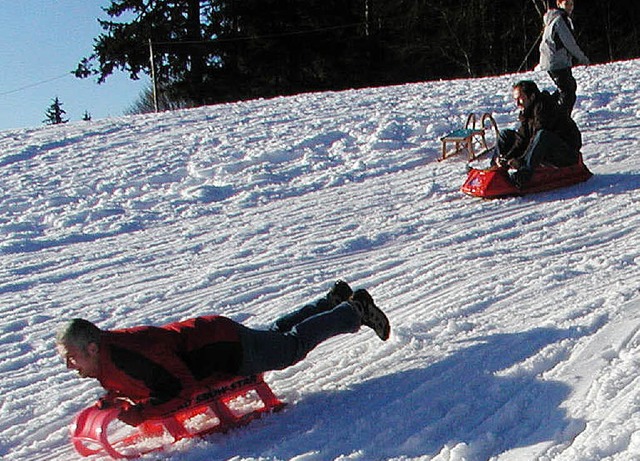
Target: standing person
[[559, 51], [546, 134], [155, 369]]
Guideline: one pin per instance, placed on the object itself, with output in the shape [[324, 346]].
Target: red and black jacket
[[158, 368]]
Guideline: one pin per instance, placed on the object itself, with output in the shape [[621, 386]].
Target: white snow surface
[[515, 322]]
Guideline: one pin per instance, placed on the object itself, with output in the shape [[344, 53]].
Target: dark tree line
[[208, 51]]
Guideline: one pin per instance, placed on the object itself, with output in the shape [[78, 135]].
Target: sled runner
[[217, 408], [495, 183], [469, 136]]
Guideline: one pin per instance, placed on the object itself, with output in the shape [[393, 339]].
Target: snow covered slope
[[514, 322]]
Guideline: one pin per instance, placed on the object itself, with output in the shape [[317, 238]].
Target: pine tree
[[175, 31], [55, 113], [208, 51]]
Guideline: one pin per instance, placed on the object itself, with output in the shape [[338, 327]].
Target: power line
[[220, 40], [31, 85], [262, 37]]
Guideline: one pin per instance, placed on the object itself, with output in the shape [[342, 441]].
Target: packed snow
[[515, 322]]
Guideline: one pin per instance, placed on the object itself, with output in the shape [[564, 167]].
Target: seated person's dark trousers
[[546, 147], [550, 149]]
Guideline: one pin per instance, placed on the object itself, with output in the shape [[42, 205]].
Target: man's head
[[566, 5], [78, 344], [525, 93]]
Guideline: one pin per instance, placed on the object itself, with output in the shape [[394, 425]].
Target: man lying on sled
[[156, 368]]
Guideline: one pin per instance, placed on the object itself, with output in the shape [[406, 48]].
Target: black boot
[[340, 292], [370, 314], [520, 178]]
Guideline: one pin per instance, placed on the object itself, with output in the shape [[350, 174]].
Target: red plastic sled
[[230, 404], [495, 183]]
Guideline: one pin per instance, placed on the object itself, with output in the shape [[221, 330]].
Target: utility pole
[[153, 77]]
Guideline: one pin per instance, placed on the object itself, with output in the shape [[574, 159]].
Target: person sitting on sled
[[546, 135], [155, 369]]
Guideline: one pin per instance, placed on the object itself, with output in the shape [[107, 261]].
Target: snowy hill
[[515, 323]]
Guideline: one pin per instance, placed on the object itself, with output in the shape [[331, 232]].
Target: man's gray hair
[[79, 333]]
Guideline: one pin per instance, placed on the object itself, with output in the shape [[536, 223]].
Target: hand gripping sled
[[216, 408]]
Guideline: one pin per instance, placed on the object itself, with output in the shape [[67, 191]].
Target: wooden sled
[[469, 136], [218, 408]]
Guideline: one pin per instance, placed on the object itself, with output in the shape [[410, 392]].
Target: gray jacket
[[559, 49]]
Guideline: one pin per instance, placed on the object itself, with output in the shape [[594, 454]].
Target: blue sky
[[41, 42]]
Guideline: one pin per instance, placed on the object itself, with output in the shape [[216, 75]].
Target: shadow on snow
[[462, 399]]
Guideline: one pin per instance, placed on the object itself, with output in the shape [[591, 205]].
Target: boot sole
[[378, 321]]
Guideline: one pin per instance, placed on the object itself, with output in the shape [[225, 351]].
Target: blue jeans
[[287, 322], [265, 350]]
